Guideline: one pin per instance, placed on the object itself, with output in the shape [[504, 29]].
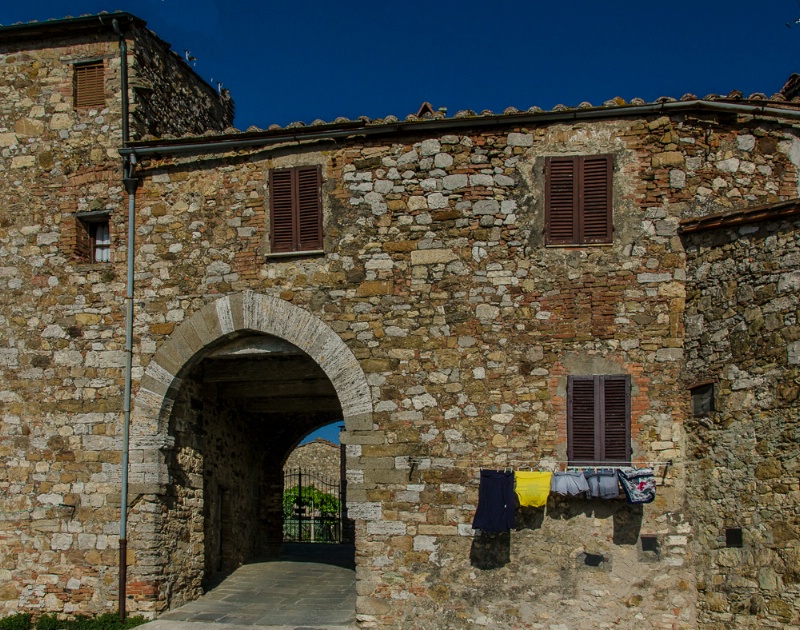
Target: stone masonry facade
[[446, 325], [741, 331], [319, 455]]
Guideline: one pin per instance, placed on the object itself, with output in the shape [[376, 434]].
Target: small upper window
[[295, 205], [599, 419], [100, 237], [93, 237], [88, 84], [578, 199], [703, 399]]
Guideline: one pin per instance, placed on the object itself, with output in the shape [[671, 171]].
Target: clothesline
[[550, 463], [556, 466], [497, 501]]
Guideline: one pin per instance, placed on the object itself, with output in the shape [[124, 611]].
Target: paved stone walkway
[[310, 587]]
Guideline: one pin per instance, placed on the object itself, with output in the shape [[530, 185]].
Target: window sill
[[577, 245], [95, 266], [313, 253]]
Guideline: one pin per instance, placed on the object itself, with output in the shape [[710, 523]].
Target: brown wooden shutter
[[616, 418], [88, 84], [598, 419], [581, 420], [309, 208], [595, 209], [83, 245], [281, 213], [296, 209], [561, 201]]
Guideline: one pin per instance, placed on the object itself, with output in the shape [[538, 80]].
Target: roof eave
[[334, 131], [764, 212], [64, 27]]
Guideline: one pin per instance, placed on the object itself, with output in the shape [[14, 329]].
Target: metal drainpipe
[[131, 184]]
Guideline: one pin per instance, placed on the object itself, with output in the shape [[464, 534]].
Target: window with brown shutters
[[295, 209], [599, 419], [93, 237], [88, 84], [578, 199]]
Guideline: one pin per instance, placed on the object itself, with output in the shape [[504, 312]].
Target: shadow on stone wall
[[627, 518], [490, 550], [628, 524]]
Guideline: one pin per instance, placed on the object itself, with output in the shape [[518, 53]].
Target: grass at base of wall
[[109, 621]]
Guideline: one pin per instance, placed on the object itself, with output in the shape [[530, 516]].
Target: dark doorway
[[239, 413]]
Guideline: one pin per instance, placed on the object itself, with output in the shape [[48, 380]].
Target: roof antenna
[[796, 22]]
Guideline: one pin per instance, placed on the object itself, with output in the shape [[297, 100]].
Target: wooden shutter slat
[[309, 228], [596, 199], [560, 201], [616, 425], [89, 84], [281, 210], [581, 420]]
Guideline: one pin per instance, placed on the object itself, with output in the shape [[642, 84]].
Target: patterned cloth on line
[[497, 506], [639, 484]]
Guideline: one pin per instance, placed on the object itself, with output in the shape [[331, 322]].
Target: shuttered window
[[578, 199], [93, 237], [598, 419], [88, 84], [295, 209]]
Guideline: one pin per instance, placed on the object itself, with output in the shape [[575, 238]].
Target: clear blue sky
[[329, 432], [288, 61]]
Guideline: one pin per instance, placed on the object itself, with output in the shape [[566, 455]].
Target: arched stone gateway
[[234, 315], [180, 493]]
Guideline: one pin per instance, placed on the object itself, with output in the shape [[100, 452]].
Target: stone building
[[462, 292], [320, 456]]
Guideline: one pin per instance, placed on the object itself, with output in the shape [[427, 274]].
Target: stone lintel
[[357, 422], [364, 437]]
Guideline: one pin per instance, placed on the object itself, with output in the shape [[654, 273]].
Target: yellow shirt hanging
[[532, 487]]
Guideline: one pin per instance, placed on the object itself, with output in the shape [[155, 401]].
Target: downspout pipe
[[131, 183], [123, 54]]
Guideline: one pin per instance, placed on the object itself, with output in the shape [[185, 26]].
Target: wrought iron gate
[[312, 507]]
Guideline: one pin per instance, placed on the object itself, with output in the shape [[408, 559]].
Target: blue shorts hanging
[[496, 502]]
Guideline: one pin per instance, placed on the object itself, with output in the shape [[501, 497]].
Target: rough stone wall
[[742, 333], [61, 337], [320, 456], [436, 278], [467, 328], [61, 369], [167, 97]]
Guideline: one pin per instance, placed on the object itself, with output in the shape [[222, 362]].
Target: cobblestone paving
[[311, 587]]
